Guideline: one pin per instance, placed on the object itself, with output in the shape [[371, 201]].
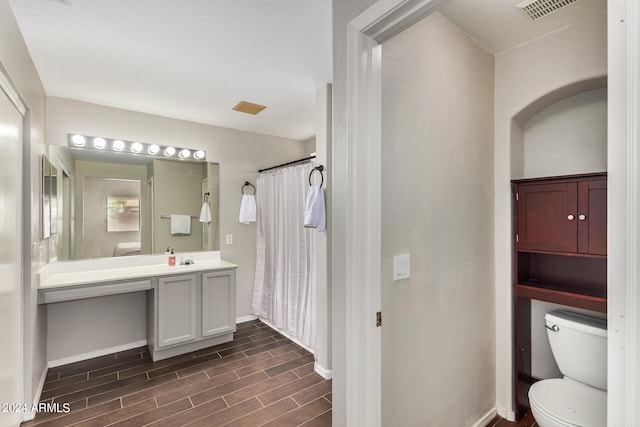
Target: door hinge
[[378, 319]]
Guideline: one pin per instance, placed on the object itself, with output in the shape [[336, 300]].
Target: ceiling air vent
[[249, 107], [537, 9]]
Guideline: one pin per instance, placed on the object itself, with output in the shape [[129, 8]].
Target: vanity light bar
[[130, 147]]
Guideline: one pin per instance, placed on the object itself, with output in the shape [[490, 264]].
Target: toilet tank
[[579, 345]]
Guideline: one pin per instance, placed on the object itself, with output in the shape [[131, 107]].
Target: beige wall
[[528, 79], [240, 155], [437, 190], [568, 137], [15, 59]]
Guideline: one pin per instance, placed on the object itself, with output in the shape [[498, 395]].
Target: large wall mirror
[[115, 204]]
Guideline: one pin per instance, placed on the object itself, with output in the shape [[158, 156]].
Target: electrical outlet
[[229, 239]]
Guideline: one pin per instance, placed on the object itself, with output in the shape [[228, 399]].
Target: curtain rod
[[287, 164]]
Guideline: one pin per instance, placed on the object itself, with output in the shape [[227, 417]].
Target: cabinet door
[[547, 217], [176, 309], [592, 217], [218, 303]]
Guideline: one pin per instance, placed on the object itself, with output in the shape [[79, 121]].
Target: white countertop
[[50, 279]]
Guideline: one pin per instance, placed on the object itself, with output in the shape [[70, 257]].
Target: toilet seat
[[569, 403]]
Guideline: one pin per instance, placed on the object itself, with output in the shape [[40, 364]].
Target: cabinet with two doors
[[560, 254], [190, 312]]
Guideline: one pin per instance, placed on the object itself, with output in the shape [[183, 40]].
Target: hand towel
[[180, 224], [314, 212], [247, 209], [205, 213]]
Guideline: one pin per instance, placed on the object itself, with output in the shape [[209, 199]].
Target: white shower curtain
[[284, 291]]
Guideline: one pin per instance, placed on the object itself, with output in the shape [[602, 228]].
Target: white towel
[[205, 213], [180, 224], [248, 209], [314, 212]]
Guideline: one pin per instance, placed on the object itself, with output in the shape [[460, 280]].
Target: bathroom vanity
[[189, 307], [560, 255]]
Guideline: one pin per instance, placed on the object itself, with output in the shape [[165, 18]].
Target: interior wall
[[15, 59], [240, 155], [438, 337], [568, 137], [554, 67]]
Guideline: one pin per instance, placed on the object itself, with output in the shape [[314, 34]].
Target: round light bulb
[[78, 140], [153, 149], [99, 143], [118, 145], [169, 151], [184, 153], [199, 155], [136, 147]]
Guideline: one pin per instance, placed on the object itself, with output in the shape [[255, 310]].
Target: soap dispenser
[[172, 258]]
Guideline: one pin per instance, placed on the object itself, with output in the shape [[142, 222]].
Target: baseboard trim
[[486, 418], [244, 319], [327, 374], [96, 353], [29, 415], [507, 414]]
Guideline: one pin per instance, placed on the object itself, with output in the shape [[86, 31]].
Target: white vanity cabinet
[[188, 312]]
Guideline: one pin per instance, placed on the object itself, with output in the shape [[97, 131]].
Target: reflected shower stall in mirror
[[114, 204]]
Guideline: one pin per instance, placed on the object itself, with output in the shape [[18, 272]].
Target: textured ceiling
[[186, 59], [196, 59], [499, 25]]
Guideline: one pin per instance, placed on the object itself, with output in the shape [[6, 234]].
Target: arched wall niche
[[529, 111]]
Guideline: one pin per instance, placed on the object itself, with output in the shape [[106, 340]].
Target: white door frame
[[24, 370], [363, 225], [366, 32]]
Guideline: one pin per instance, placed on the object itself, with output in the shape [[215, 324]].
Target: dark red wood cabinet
[[566, 217], [560, 241]]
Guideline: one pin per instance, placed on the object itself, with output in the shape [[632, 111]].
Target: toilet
[[579, 399]]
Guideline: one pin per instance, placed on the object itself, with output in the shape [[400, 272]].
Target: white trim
[[96, 353], [632, 294], [507, 414], [244, 319], [485, 419], [363, 210], [7, 86], [327, 374], [28, 416], [291, 337]]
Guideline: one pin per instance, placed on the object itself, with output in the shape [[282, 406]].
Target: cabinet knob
[[570, 217], [582, 217]]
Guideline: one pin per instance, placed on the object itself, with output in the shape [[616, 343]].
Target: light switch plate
[[401, 267]]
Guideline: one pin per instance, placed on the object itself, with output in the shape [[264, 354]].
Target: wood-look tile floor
[[526, 421], [260, 378]]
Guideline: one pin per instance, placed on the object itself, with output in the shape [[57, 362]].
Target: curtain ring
[[319, 169], [248, 184]]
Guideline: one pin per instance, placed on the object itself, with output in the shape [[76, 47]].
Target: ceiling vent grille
[[537, 9], [249, 107]]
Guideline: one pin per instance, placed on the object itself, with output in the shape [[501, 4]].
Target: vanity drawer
[[46, 296]]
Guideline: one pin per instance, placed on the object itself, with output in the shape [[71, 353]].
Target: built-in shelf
[[586, 298]]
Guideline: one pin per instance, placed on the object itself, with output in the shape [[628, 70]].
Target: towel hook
[[248, 184], [319, 169]]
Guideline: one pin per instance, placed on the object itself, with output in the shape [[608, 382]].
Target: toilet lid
[[570, 402]]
